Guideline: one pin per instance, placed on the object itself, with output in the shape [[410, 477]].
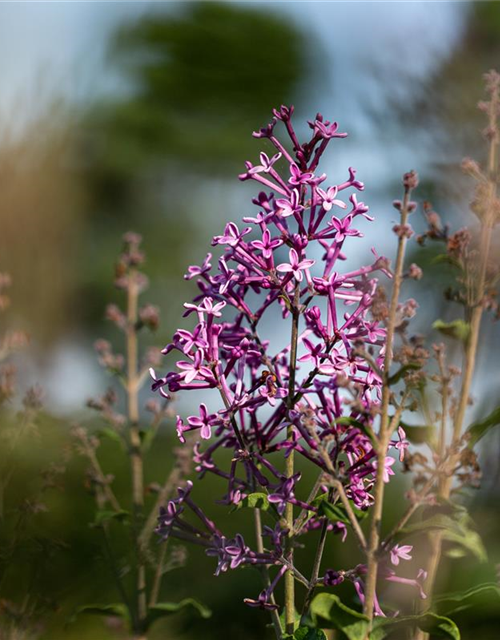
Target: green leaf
[[458, 329], [400, 373], [106, 515], [437, 521], [327, 611], [480, 428], [453, 602], [256, 500], [118, 610], [468, 539], [456, 526], [305, 633], [333, 512], [437, 625], [163, 609], [336, 512], [419, 434]]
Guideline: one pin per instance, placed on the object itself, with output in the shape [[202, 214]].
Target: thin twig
[[384, 432]]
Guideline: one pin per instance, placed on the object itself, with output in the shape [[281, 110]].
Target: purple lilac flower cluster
[[319, 398]]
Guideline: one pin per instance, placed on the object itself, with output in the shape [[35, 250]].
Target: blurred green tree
[[198, 80]]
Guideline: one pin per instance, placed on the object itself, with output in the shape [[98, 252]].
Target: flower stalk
[[385, 432]]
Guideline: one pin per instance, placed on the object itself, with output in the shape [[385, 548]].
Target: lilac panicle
[[294, 246]]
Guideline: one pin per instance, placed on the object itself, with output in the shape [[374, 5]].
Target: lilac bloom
[[264, 201], [333, 578], [276, 535], [194, 271], [194, 370], [315, 352], [359, 208], [181, 428], [266, 163], [375, 331], [173, 510], [328, 198], [238, 551], [272, 393], [339, 527], [295, 266], [388, 471], [400, 553], [204, 422], [207, 306], [343, 228], [267, 245], [262, 602], [219, 550], [284, 493], [187, 339], [298, 178], [158, 383], [325, 129], [232, 235], [391, 576], [289, 207], [225, 276], [336, 363], [260, 219], [264, 599], [402, 444]]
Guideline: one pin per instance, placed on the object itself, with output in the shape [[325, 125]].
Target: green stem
[[384, 433], [289, 468], [136, 462], [265, 572]]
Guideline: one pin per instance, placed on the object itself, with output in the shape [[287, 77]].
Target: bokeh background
[[118, 116]]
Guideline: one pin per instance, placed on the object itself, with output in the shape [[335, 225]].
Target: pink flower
[[194, 370], [343, 228], [267, 245], [232, 235], [204, 422], [296, 267], [297, 178], [328, 198], [387, 467], [207, 306], [289, 207], [400, 553], [266, 163]]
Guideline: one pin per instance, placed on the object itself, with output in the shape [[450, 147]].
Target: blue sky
[[63, 44]]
